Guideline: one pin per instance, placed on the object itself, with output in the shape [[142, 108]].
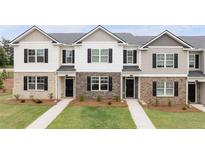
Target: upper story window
[[130, 56], [99, 55], [165, 60], [194, 61], [68, 57], [35, 55]]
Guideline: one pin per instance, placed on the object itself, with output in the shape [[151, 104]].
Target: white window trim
[[35, 56], [165, 59], [194, 68], [165, 87], [35, 84], [99, 83], [100, 55]]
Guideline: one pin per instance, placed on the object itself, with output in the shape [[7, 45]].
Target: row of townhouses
[[106, 64]]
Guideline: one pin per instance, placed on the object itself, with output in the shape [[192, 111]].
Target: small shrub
[[169, 103], [32, 98], [50, 95], [3, 90], [99, 99], [4, 75], [156, 102], [17, 96], [184, 108], [23, 101], [109, 103], [117, 98], [82, 98], [38, 101], [1, 83]]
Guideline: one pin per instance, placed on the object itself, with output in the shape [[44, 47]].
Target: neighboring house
[[102, 63]]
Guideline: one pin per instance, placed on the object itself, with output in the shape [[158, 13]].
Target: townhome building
[[165, 67]]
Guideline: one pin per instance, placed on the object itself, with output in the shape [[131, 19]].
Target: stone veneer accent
[[146, 90], [18, 86], [81, 81]]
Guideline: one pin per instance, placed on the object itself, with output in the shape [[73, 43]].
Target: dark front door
[[69, 87], [130, 88], [191, 93]]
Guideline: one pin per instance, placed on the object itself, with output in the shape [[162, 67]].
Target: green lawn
[[94, 117], [176, 120], [18, 116]]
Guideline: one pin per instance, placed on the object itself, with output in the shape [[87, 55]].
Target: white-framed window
[[99, 83], [31, 83], [40, 55], [95, 55], [40, 83], [191, 60], [165, 88], [99, 55], [165, 60], [130, 56], [104, 55], [69, 56], [31, 56], [169, 60]]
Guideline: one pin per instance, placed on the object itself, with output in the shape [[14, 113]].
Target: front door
[[69, 87], [192, 91], [130, 88]]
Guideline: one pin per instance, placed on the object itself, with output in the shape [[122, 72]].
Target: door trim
[[65, 86], [195, 84], [128, 78]]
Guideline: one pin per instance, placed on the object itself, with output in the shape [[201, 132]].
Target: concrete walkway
[[199, 107], [139, 116], [44, 120]]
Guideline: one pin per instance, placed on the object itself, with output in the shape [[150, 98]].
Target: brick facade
[[81, 85], [25, 94], [146, 90]]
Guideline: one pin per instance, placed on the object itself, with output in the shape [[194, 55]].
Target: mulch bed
[[103, 103], [8, 86], [173, 108], [30, 102]]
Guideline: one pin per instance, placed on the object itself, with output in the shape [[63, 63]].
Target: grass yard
[[18, 115], [176, 120], [91, 117]]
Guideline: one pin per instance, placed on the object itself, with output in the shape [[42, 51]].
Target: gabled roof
[[166, 32], [31, 30], [94, 30]]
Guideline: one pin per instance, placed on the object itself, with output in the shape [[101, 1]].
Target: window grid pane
[[160, 60], [169, 60]]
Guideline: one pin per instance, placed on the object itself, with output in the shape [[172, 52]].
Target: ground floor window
[[165, 88], [36, 82], [99, 83]]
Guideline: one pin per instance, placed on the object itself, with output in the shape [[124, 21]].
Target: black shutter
[[124, 56], [175, 60], [46, 55], [64, 56], [89, 55], [110, 83], [196, 61], [154, 63], [73, 56], [88, 83], [25, 55], [134, 56], [45, 83], [25, 82], [176, 89], [154, 88], [110, 55]]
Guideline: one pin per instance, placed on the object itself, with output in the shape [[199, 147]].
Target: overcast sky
[[10, 31]]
